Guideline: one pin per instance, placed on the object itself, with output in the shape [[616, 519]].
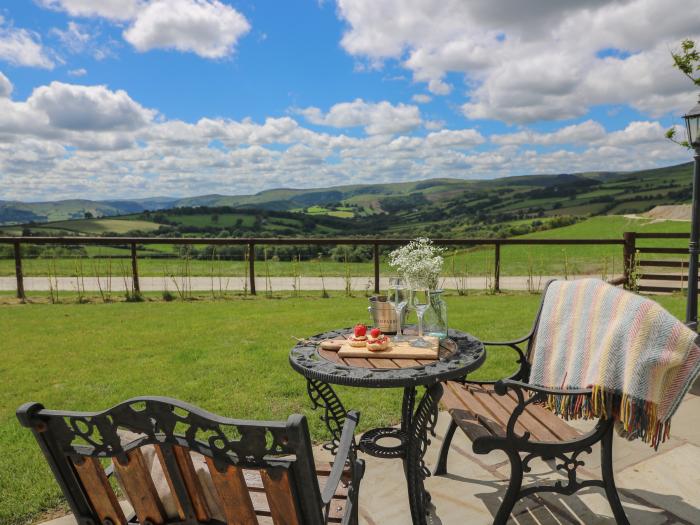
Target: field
[[228, 357], [538, 260]]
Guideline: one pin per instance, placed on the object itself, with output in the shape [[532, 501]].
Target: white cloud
[[21, 47], [434, 124], [461, 138], [5, 86], [376, 118], [421, 98], [93, 108], [110, 9], [536, 60], [205, 27], [80, 72], [68, 140], [582, 133], [74, 37]]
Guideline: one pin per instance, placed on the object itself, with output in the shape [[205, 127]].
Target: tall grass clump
[[460, 279], [268, 280], [182, 279], [324, 292], [130, 293], [296, 275], [534, 276], [347, 274], [80, 280], [53, 279], [104, 287]]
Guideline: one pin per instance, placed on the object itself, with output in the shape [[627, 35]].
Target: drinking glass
[[398, 300], [421, 302]]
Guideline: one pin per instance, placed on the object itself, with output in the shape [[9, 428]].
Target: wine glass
[[398, 300], [421, 302]]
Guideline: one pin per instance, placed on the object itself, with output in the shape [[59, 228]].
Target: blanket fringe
[[635, 419]]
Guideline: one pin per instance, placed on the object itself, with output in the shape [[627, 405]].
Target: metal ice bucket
[[383, 314]]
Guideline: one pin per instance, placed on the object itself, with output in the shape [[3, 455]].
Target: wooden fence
[[628, 243], [647, 271]]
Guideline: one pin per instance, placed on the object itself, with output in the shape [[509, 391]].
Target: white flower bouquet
[[419, 263]]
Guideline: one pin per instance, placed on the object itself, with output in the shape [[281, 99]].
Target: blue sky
[[181, 97]]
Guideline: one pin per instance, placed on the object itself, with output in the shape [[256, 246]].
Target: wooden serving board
[[401, 350]]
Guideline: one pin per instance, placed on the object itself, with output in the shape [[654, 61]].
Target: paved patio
[[657, 488]]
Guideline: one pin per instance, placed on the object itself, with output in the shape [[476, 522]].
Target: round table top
[[459, 354]]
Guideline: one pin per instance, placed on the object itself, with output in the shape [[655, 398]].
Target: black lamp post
[[692, 125]]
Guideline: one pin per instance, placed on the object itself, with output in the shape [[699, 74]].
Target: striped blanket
[[639, 360]]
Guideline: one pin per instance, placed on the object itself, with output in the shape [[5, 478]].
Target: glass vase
[[435, 317]]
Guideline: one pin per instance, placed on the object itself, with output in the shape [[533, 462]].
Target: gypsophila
[[419, 262]]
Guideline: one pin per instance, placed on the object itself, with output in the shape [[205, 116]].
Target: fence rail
[[628, 243]]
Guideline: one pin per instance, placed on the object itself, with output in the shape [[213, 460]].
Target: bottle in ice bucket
[[382, 314]]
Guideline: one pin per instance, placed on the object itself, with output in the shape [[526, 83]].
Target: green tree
[[687, 61]]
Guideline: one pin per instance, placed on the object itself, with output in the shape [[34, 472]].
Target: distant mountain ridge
[[373, 198]]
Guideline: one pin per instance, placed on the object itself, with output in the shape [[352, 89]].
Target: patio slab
[[656, 488]]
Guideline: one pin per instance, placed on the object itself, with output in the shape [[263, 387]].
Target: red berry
[[360, 330], [375, 333]]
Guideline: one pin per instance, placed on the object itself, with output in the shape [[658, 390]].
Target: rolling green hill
[[437, 207]]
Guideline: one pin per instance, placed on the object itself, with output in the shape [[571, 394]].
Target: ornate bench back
[[178, 464]]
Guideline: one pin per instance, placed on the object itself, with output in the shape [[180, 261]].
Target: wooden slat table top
[[372, 362]]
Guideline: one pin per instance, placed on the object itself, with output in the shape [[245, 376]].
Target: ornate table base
[[413, 436]]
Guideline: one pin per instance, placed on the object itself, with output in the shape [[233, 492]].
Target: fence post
[[134, 270], [18, 271], [251, 265], [628, 253], [376, 268], [497, 267]]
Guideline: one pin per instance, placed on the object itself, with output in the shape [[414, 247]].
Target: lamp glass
[[692, 124]]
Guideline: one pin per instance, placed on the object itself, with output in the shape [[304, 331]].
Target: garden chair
[[508, 415], [178, 464]]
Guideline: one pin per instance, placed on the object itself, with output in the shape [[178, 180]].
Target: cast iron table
[[459, 354]]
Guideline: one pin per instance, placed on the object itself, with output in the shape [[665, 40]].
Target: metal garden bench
[[259, 471], [507, 415]]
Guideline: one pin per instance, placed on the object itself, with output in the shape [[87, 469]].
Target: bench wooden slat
[[280, 498], [554, 423], [254, 481], [464, 419], [466, 401], [139, 487], [478, 405], [487, 399], [190, 479], [233, 493], [537, 429], [102, 498]]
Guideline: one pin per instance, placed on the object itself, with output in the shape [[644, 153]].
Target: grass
[[227, 357], [100, 226], [515, 260]]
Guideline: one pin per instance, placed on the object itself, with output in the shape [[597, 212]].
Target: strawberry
[[360, 330], [375, 333]]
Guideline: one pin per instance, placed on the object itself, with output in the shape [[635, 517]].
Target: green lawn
[[228, 357]]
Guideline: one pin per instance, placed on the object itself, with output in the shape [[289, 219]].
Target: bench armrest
[[502, 386], [523, 369], [345, 453]]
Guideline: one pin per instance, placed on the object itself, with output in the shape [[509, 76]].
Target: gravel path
[[150, 284]]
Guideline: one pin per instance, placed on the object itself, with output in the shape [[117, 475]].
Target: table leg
[[421, 422], [323, 396]]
